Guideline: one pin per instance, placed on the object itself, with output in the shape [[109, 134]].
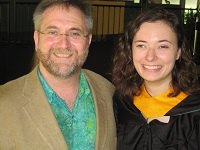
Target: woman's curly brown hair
[[124, 75]]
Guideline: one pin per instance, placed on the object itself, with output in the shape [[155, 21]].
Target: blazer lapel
[[40, 114], [102, 124]]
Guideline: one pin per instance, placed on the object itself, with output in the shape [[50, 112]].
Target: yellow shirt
[[156, 106]]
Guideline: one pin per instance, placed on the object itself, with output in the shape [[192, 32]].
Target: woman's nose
[[151, 54]]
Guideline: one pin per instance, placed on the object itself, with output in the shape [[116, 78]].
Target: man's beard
[[55, 69]]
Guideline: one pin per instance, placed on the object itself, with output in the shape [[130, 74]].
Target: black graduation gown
[[182, 132]]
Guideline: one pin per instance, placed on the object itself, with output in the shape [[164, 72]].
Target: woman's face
[[155, 50]]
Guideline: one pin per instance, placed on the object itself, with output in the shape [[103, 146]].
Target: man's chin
[[65, 72]]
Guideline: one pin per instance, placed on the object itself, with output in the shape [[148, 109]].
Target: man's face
[[62, 55]]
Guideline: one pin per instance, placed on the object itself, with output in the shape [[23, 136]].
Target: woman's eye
[[164, 47], [140, 46]]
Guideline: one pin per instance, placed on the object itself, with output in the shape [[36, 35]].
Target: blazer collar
[[99, 100], [39, 112]]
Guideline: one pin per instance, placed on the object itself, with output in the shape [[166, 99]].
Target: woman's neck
[[156, 88]]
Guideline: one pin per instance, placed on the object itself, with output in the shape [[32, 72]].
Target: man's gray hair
[[79, 4]]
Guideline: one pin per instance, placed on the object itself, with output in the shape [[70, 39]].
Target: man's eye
[[75, 34], [52, 32]]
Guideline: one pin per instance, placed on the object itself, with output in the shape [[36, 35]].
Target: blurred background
[[110, 19]]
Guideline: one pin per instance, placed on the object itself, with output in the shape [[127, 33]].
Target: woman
[[157, 98]]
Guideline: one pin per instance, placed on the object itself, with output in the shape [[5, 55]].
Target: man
[[59, 105]]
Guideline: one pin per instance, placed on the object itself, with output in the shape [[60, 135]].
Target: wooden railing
[[16, 33], [110, 18], [16, 26]]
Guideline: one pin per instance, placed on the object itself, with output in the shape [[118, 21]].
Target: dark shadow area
[[16, 34], [17, 61], [100, 57]]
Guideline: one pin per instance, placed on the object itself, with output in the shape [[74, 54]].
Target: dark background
[[17, 46]]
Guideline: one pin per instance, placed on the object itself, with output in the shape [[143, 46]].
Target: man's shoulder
[[11, 93], [13, 84], [16, 86], [19, 82]]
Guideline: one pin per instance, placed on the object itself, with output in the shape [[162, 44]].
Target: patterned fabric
[[79, 125]]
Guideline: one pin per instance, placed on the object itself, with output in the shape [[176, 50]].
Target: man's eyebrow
[[71, 29], [76, 29], [51, 27]]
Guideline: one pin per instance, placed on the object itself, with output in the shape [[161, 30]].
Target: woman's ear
[[178, 54]]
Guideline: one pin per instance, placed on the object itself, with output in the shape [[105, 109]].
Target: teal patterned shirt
[[79, 125]]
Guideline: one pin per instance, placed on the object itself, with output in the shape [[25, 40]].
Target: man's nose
[[64, 41]]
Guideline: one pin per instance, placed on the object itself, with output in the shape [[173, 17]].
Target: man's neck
[[66, 89]]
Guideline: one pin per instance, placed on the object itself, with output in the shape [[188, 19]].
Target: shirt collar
[[47, 89], [83, 86]]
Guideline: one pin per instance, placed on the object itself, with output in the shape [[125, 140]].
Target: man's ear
[[36, 39], [89, 39]]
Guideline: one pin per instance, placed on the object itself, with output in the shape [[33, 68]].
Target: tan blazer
[[28, 123]]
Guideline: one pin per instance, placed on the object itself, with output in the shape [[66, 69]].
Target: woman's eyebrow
[[165, 41], [139, 41]]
